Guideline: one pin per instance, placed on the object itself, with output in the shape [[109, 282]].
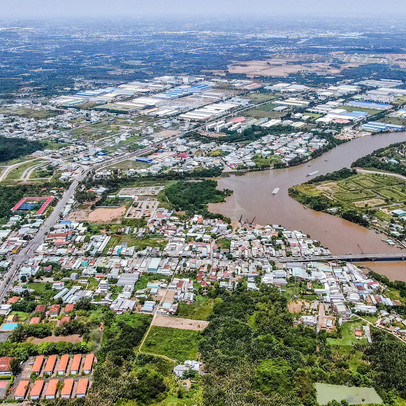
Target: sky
[[130, 8]]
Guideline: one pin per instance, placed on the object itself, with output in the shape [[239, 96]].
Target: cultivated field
[[362, 191]]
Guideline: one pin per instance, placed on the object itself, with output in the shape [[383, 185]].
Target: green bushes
[[27, 330], [72, 327]]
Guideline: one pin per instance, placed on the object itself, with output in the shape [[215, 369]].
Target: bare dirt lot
[[165, 133], [74, 339], [78, 215], [106, 215], [183, 324], [295, 306], [370, 203]]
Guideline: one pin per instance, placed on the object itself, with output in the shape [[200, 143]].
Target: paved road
[[33, 244], [380, 327], [11, 167], [367, 171]]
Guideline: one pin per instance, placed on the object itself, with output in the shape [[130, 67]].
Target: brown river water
[[252, 198]]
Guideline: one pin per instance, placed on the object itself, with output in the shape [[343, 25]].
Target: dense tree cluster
[[12, 148], [114, 376], [193, 197], [254, 355], [317, 202], [381, 159], [72, 327], [10, 195], [334, 176], [28, 330]]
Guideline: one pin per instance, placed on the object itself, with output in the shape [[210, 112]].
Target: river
[[252, 198]]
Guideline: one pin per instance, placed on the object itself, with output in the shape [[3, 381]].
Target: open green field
[[371, 112], [95, 131], [261, 161], [149, 277], [37, 287], [133, 320], [41, 172], [261, 113], [314, 116], [199, 310], [394, 120], [29, 113], [139, 243], [266, 107], [125, 165], [22, 316], [400, 101], [261, 97], [180, 345], [348, 335]]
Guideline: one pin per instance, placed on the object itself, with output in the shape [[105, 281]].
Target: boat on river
[[313, 173]]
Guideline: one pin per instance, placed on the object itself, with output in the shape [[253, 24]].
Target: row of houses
[[64, 365], [40, 389]]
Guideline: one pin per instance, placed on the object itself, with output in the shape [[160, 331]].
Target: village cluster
[[190, 257]]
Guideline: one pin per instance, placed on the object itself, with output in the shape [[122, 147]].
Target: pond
[[353, 395]]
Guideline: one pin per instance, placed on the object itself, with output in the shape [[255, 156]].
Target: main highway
[[29, 250]]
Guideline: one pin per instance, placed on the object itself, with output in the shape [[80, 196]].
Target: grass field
[[22, 316], [29, 113], [353, 395], [260, 113], [261, 97], [95, 131], [125, 165], [149, 277], [261, 161], [180, 345], [348, 335], [400, 101], [371, 112], [200, 310], [138, 243], [41, 172], [314, 116], [38, 287], [16, 173], [132, 319]]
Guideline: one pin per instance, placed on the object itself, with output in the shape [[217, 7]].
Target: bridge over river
[[348, 258]]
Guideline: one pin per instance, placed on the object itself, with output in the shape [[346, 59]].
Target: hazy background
[[129, 8]]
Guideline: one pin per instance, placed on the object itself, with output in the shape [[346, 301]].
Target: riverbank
[[368, 199], [252, 198]]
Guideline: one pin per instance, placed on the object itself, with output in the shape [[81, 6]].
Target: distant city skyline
[[129, 8]]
